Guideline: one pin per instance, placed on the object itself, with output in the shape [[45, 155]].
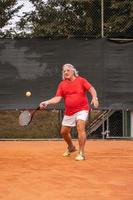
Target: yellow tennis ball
[[28, 93]]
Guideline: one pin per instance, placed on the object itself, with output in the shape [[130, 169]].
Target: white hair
[[72, 68]]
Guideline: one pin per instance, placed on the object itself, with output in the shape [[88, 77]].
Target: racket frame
[[30, 113]]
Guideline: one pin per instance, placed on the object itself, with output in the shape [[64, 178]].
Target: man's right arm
[[53, 100]]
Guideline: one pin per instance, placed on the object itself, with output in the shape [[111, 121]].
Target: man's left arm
[[94, 100]]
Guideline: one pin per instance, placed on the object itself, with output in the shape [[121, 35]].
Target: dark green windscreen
[[36, 65]]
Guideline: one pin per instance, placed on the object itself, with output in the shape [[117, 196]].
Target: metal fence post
[[102, 18]]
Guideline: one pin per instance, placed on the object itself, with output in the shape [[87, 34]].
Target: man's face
[[68, 73]]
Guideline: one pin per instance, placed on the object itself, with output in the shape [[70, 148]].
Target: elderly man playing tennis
[[73, 89]]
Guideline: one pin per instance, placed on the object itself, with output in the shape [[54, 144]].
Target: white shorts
[[71, 120]]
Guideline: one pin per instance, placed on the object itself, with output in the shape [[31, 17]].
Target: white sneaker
[[69, 151], [66, 153], [80, 157]]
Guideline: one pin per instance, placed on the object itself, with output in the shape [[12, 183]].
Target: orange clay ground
[[36, 170]]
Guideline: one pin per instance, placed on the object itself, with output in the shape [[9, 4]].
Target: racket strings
[[24, 118]]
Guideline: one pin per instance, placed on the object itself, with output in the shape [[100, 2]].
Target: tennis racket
[[26, 116]]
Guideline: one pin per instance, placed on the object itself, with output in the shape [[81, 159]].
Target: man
[[73, 89]]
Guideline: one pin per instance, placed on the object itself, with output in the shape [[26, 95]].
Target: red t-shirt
[[74, 94]]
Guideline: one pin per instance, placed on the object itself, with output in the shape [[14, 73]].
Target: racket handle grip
[[43, 104]]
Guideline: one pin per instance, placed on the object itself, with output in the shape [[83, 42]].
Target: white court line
[[118, 156]]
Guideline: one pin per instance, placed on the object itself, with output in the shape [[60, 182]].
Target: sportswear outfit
[[76, 102], [74, 94]]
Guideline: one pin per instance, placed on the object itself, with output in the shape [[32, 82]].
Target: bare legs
[[81, 135], [65, 132]]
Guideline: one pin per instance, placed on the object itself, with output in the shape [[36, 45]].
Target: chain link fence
[[66, 18], [110, 125], [46, 125]]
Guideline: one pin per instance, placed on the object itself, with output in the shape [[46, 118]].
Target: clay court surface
[[36, 170]]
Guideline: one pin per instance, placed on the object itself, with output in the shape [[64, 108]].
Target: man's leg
[[65, 132], [81, 136]]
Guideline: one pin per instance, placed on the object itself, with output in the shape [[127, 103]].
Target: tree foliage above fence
[[70, 18], [8, 8], [63, 18], [118, 18]]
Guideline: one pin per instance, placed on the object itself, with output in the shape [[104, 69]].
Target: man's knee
[[80, 126], [64, 131]]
